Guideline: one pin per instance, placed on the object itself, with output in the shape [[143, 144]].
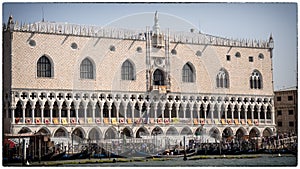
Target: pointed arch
[[227, 133], [61, 132], [267, 132], [222, 79], [240, 133], [157, 131], [87, 69], [44, 130], [188, 73], [95, 134], [128, 70], [254, 132], [78, 133], [24, 130], [256, 80], [110, 133], [142, 131], [200, 131], [45, 67], [186, 131], [158, 77], [172, 131], [127, 132], [214, 133]]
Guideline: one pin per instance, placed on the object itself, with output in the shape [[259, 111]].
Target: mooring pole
[[184, 157]]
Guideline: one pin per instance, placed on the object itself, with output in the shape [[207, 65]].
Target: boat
[[45, 157], [57, 156], [136, 153], [80, 155], [176, 153]]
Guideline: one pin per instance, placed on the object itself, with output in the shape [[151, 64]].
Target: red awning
[[9, 142]]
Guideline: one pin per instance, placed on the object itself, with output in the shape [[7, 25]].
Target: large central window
[[256, 80], [44, 67], [188, 73], [158, 77], [86, 69], [222, 79], [127, 71]]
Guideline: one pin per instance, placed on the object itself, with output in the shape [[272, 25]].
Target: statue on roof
[[158, 38], [156, 26], [156, 18]]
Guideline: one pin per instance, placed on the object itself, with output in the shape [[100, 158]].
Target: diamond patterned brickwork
[[108, 63]]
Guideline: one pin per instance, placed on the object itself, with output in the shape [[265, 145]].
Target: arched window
[[188, 73], [222, 79], [127, 71], [158, 77], [86, 69], [44, 67], [256, 80]]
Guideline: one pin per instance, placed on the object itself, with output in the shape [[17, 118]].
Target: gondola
[[176, 153], [81, 155], [175, 156], [57, 156], [45, 157], [135, 153]]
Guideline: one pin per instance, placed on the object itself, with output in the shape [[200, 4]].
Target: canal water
[[263, 161]]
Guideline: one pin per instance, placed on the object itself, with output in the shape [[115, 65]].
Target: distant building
[[286, 110], [95, 83]]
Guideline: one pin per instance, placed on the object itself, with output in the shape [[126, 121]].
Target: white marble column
[[265, 112], [252, 115], [76, 107], [163, 113], [132, 113], [155, 112], [101, 114], [205, 110], [258, 111], [198, 111], [23, 111], [42, 113], [69, 114], [246, 112], [93, 114], [109, 114], [51, 112], [32, 112], [225, 111], [13, 114], [232, 113], [177, 110], [125, 113], [219, 113], [191, 113], [211, 110], [59, 113], [170, 112], [239, 113], [148, 113], [273, 115], [85, 113]]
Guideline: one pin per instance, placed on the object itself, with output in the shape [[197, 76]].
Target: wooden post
[[184, 158], [40, 149]]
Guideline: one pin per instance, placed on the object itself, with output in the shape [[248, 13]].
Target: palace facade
[[101, 83]]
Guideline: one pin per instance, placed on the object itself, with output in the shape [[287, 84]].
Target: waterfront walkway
[[141, 159]]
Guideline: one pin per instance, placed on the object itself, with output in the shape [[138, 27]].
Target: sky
[[236, 20]]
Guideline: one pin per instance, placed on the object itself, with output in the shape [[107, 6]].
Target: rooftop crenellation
[[189, 37]]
